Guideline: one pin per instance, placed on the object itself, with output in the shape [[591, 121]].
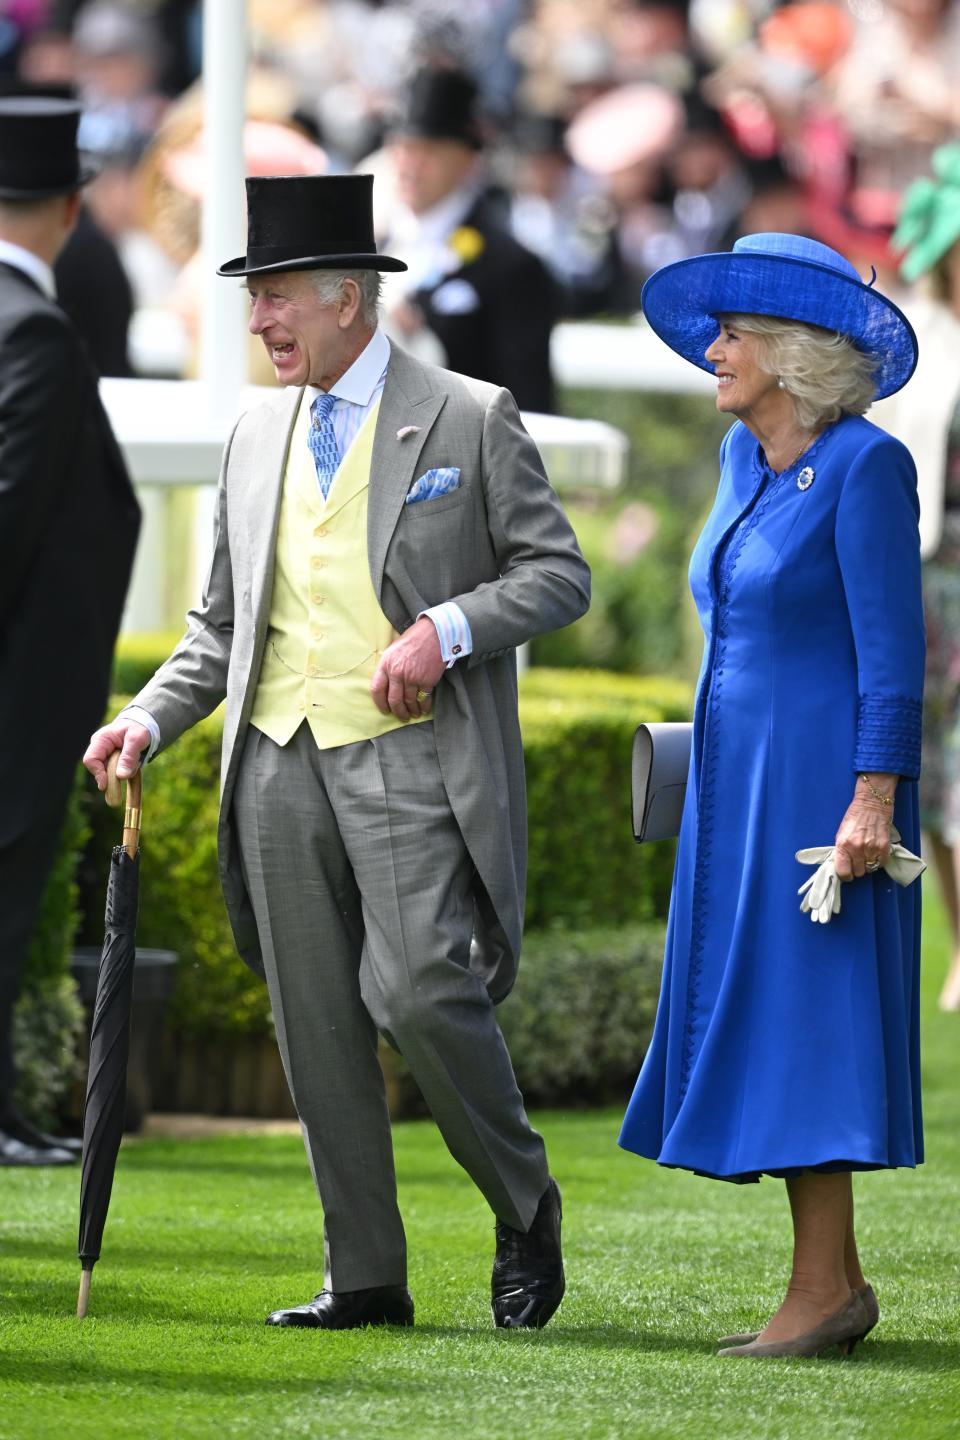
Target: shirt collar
[[360, 383], [32, 266], [437, 223]]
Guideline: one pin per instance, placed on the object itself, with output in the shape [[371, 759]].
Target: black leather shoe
[[528, 1282], [15, 1152], [18, 1127], [350, 1309]]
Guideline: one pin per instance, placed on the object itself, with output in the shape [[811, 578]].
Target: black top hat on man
[[309, 222], [441, 105], [38, 148]]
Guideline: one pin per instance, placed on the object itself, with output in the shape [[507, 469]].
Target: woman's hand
[[863, 840]]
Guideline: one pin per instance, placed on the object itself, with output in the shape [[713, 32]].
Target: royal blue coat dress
[[780, 1044]]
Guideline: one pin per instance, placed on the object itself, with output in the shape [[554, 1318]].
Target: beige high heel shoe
[[869, 1304], [843, 1328]]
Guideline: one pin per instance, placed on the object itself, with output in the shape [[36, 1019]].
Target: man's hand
[[128, 736], [410, 665]]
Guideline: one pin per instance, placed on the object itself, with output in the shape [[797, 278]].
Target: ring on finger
[[873, 866], [424, 695]]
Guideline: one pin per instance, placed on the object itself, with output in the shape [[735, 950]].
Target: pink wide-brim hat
[[630, 124], [268, 149]]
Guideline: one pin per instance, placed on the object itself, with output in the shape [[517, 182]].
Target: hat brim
[[417, 130], [365, 261], [84, 176], [681, 303]]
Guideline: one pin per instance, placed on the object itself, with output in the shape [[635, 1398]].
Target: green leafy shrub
[[584, 871], [48, 1016], [580, 1017], [638, 541], [674, 441], [638, 557], [584, 868], [138, 657]]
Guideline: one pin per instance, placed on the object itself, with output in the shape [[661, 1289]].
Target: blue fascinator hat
[[787, 276]]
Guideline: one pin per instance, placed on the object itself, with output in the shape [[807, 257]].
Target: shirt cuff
[[143, 717], [453, 630]]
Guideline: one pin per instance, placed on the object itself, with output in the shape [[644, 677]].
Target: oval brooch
[[805, 478]]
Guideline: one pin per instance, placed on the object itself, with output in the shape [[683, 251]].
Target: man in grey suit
[[385, 539]]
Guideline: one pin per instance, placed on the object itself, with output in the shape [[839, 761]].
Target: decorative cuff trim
[[888, 735]]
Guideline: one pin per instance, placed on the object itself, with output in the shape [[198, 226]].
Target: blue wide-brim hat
[[787, 276]]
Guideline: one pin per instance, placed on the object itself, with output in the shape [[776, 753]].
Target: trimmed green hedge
[[48, 1015], [585, 870], [138, 657], [584, 867]]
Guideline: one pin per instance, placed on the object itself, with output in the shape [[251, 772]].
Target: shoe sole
[[305, 1323], [544, 1316]]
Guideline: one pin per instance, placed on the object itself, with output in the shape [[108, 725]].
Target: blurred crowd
[[611, 136]]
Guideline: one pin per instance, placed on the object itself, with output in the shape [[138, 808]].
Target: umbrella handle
[[114, 796]]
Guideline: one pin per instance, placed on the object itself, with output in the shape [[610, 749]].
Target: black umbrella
[[103, 1113]]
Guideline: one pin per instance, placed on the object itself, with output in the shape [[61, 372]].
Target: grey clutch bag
[[661, 759]]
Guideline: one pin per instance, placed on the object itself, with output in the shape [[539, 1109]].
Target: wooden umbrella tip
[[84, 1294]]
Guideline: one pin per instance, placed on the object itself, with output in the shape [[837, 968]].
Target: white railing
[[172, 439]]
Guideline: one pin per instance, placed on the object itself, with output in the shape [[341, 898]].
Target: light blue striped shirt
[[357, 392]]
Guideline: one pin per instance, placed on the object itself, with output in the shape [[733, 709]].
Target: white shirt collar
[[38, 270], [436, 224], [359, 384]]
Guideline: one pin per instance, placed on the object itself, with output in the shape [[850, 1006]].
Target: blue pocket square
[[433, 483]]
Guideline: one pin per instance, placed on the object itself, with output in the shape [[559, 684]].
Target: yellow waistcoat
[[327, 630]]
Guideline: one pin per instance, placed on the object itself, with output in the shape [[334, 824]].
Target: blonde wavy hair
[[823, 372]]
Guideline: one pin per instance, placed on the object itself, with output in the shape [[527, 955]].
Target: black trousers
[[25, 863]]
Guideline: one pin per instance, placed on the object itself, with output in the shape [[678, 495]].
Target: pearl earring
[[780, 383]]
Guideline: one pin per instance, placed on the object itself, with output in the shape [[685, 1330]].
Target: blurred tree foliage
[[638, 541]]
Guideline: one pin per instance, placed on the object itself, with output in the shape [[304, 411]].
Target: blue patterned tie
[[323, 442]]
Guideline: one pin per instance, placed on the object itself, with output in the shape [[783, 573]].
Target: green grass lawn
[[205, 1237]]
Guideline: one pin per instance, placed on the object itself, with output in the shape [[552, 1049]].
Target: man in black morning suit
[[68, 530], [489, 301]]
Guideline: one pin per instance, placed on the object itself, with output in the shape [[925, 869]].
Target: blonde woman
[[781, 1047]]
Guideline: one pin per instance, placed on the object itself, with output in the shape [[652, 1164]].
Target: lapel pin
[[406, 430], [805, 478]]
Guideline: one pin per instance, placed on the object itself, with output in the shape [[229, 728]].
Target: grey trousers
[[362, 889]]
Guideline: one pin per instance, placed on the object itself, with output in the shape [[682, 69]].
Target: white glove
[[821, 893]]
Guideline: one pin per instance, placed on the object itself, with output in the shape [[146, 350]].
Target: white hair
[[823, 372], [328, 288]]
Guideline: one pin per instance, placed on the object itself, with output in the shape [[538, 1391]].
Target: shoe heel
[[847, 1348]]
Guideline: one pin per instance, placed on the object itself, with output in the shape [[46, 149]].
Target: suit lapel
[[408, 399], [263, 493]]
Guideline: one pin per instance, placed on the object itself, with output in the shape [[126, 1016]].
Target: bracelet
[[877, 794]]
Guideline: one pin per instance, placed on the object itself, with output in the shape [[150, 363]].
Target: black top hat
[[441, 105], [38, 148], [538, 132], [310, 222]]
